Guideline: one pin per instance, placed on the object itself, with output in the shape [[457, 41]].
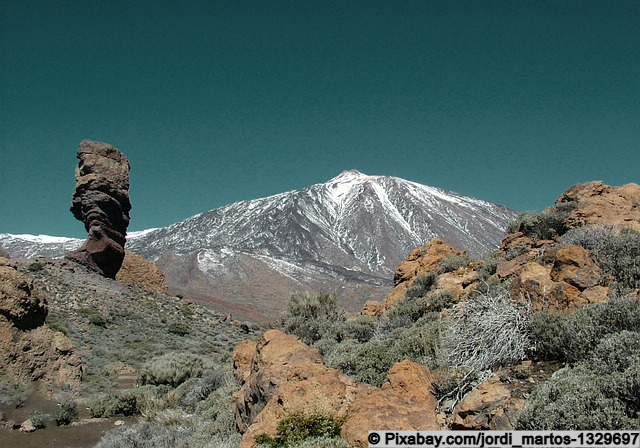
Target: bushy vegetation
[[600, 393], [547, 225], [38, 419], [67, 413], [572, 338], [171, 369], [615, 249], [298, 427], [487, 330], [311, 316]]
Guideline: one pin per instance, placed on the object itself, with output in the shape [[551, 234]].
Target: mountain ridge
[[346, 235]]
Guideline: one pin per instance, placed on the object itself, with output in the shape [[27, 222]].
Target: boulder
[[29, 349], [600, 203], [489, 406], [574, 265], [101, 202], [27, 426], [286, 376], [136, 269], [404, 402], [421, 261], [20, 303]]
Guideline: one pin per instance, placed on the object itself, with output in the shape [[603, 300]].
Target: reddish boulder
[[574, 265], [101, 202]]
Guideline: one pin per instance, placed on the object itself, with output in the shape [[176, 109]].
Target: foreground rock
[[101, 202], [286, 376], [136, 269], [29, 349]]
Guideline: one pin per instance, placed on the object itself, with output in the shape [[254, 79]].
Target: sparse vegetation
[[547, 225], [172, 369], [297, 427], [615, 249], [67, 413]]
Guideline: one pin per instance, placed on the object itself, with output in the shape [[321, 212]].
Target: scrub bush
[[487, 330], [298, 427], [171, 369]]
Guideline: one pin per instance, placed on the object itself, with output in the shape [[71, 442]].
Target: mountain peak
[[348, 175]]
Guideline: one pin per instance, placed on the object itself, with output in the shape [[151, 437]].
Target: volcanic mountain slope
[[345, 236]]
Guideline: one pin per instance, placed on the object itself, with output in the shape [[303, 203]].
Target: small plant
[[37, 419], [298, 427], [36, 266], [67, 413], [421, 285], [572, 338], [179, 329], [171, 369], [312, 316], [453, 263], [615, 249], [545, 225]]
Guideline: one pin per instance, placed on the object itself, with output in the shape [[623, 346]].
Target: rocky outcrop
[[138, 270], [600, 203], [489, 406], [286, 376], [29, 349], [101, 202], [421, 261]]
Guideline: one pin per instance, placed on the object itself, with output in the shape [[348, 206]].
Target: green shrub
[[578, 398], [453, 263], [572, 338], [360, 328], [67, 413], [179, 328], [298, 427], [615, 249], [367, 363], [312, 316], [121, 404], [421, 343], [171, 369], [545, 225], [146, 435], [549, 335], [36, 266], [37, 419], [93, 315], [421, 285], [487, 330]]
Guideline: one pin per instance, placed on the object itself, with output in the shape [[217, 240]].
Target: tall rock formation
[[101, 202]]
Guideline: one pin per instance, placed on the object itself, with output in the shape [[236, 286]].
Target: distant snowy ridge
[[346, 234]]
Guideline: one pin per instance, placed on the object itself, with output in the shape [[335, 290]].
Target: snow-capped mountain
[[346, 235]]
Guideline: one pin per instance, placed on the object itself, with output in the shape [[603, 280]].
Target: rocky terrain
[[573, 267], [101, 202], [345, 236], [504, 342]]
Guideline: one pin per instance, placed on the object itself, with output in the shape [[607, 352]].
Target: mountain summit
[[347, 235]]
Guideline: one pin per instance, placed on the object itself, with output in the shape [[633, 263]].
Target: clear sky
[[219, 101]]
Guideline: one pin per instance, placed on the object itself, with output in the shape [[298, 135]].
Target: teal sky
[[219, 101]]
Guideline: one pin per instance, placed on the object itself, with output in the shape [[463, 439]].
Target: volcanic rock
[[489, 406], [287, 376], [136, 269], [101, 202], [421, 261], [29, 349], [600, 203]]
